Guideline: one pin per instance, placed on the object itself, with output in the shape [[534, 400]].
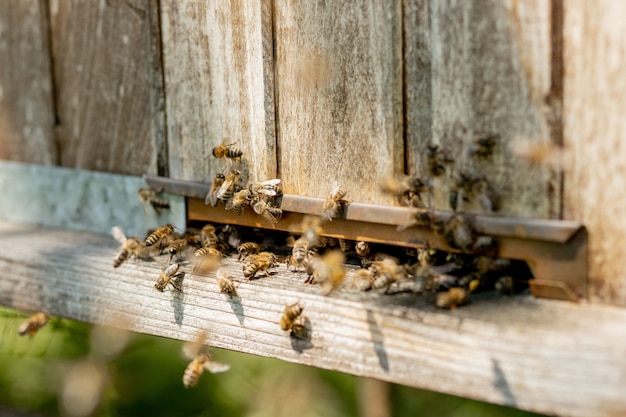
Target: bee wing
[[334, 188], [216, 367], [191, 350], [210, 197], [171, 269], [118, 234]]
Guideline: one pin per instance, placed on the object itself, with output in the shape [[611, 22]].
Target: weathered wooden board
[[26, 92], [109, 85], [219, 86], [594, 128], [551, 357], [339, 96], [475, 69]]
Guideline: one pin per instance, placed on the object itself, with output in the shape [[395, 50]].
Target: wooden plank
[[109, 85], [339, 96], [26, 92], [550, 357], [485, 69], [594, 126], [219, 86]]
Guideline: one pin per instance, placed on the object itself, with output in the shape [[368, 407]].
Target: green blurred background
[[145, 380]]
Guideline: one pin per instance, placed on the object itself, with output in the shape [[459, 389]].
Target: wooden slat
[[339, 96], [26, 93], [474, 69], [551, 357], [594, 128], [109, 85], [219, 85]]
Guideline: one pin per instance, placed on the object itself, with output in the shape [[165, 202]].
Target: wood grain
[[594, 126], [339, 96], [109, 85], [26, 92], [475, 69], [550, 357], [219, 86]]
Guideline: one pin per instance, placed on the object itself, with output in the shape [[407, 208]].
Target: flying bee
[[270, 187], [261, 262], [299, 253], [290, 313], [211, 197], [207, 250], [362, 248], [225, 284], [334, 203], [208, 236], [311, 229], [239, 201], [386, 272], [33, 324], [483, 147], [406, 190], [200, 361], [148, 196], [206, 259], [227, 189], [437, 161], [266, 209], [247, 248], [130, 247], [455, 296], [160, 234], [329, 271], [167, 276], [227, 151], [363, 279]]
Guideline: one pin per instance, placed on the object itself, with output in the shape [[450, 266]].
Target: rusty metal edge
[[559, 231]]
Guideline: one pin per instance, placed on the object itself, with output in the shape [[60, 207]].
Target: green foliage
[[145, 380]]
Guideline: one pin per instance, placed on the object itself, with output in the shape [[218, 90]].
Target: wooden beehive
[[315, 92]]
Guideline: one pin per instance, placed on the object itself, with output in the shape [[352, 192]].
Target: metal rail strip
[[555, 250]]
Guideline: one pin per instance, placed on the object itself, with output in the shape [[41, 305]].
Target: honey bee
[[483, 147], [406, 190], [505, 285], [211, 197], [227, 151], [261, 262], [225, 284], [344, 244], [290, 313], [362, 248], [239, 201], [299, 253], [207, 251], [148, 196], [176, 247], [167, 276], [363, 279], [458, 232], [455, 296], [33, 324], [311, 230], [208, 236], [160, 234], [386, 272], [227, 189], [270, 187], [130, 247], [200, 361], [247, 248], [537, 152], [266, 209], [437, 161], [329, 271], [206, 259], [334, 203]]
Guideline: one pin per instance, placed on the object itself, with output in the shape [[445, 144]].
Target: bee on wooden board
[[211, 197], [168, 276], [207, 251], [386, 272], [177, 246], [455, 296], [148, 196], [227, 151], [160, 234], [290, 319], [334, 203], [130, 247], [226, 191], [483, 146], [437, 160], [225, 283], [261, 262], [200, 361], [299, 253], [247, 248], [363, 279], [33, 324]]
